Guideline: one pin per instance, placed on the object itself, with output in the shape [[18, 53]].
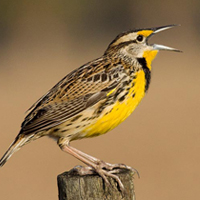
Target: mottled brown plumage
[[80, 89]]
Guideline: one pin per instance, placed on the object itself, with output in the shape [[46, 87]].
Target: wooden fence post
[[92, 187]]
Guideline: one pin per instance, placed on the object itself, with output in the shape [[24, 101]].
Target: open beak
[[159, 46]]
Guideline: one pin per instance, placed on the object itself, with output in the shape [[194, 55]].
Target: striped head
[[133, 44]]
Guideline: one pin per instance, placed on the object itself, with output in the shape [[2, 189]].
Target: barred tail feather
[[20, 141]]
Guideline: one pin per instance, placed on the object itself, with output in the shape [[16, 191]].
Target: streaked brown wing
[[57, 113], [85, 92], [54, 114]]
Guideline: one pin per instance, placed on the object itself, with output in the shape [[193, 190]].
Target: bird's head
[[134, 44]]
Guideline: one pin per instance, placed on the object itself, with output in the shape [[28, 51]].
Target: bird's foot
[[109, 170], [119, 166], [104, 173], [104, 170]]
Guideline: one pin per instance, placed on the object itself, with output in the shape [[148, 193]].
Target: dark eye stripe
[[120, 45], [127, 43], [123, 44]]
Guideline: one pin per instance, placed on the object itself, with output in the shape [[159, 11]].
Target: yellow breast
[[119, 111]]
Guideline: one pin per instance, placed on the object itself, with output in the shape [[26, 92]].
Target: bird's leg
[[91, 158], [92, 165], [103, 164], [66, 148]]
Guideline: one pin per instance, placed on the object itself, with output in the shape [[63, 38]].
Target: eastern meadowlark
[[94, 99]]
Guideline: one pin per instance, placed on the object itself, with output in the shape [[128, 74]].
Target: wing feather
[[71, 96]]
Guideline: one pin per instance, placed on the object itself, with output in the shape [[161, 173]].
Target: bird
[[93, 99]]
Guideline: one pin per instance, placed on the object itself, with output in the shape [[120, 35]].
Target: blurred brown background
[[42, 41]]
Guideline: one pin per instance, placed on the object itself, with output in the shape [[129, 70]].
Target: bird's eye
[[140, 38]]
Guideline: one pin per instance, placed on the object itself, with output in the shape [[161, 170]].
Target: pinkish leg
[[92, 165], [103, 164]]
